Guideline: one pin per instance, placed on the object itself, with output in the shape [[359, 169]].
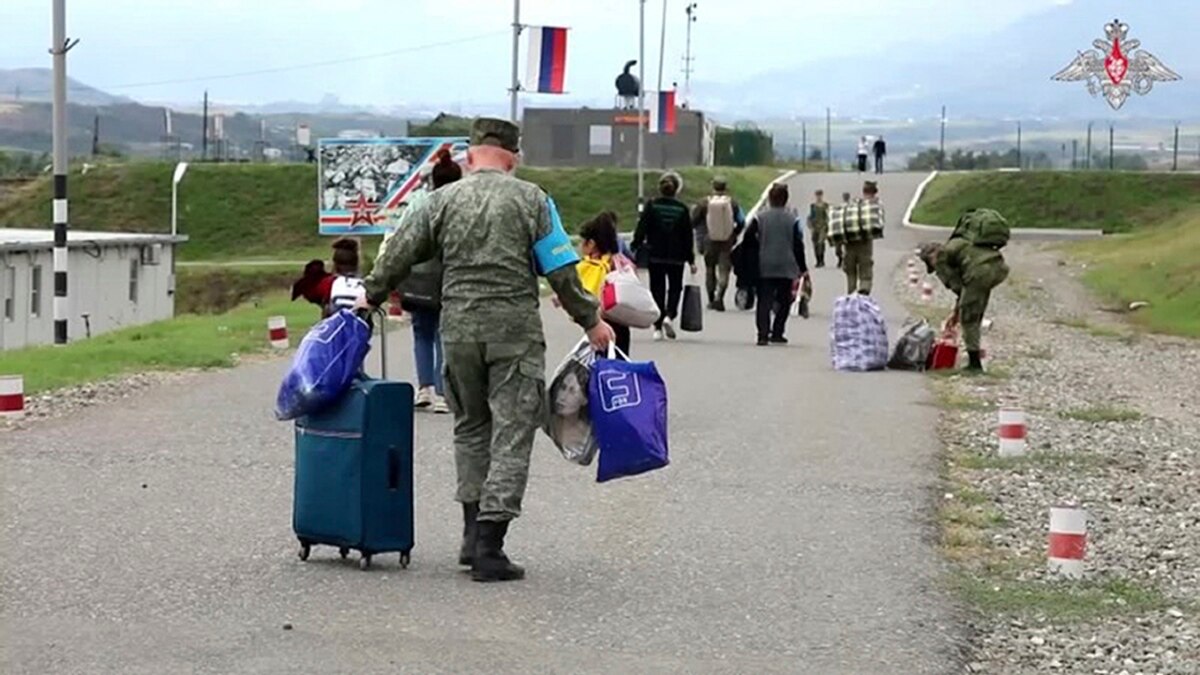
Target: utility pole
[[515, 90], [1088, 160], [641, 137], [687, 57], [204, 137], [803, 145], [828, 139], [59, 47], [96, 135], [942, 143], [1175, 152], [1074, 153], [1019, 164], [1111, 151]]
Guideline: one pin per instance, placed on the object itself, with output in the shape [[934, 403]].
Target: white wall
[[98, 284]]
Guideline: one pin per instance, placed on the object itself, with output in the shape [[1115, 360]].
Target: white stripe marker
[[1011, 432], [12, 396], [60, 210], [1068, 540], [277, 332]]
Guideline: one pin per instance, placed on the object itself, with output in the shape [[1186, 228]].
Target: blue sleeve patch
[[554, 250]]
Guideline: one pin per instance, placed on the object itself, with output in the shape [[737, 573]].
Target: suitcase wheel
[[343, 551], [305, 549], [405, 559], [364, 563]]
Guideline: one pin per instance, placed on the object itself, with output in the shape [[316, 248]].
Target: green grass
[[260, 211], [975, 461], [1101, 413], [1065, 600], [1160, 265], [1112, 202], [188, 341]]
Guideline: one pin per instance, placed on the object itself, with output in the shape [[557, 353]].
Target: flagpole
[[641, 142], [516, 47], [662, 45]]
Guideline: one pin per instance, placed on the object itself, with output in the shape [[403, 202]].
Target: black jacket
[[665, 231]]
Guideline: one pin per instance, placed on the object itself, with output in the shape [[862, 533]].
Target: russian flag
[[547, 70], [662, 112]]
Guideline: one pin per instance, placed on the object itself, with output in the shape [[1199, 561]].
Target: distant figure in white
[[864, 148]]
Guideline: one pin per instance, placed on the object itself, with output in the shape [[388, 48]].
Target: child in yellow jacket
[[601, 251]]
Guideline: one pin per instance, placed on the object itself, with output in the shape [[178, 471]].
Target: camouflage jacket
[[961, 263], [483, 229]]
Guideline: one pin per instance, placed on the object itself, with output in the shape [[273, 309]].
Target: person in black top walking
[[664, 232], [880, 149]]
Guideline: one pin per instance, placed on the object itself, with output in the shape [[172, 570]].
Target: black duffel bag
[[422, 290]]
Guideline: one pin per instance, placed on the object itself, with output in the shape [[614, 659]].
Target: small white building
[[114, 280]]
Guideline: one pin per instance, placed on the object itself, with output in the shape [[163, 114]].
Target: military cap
[[719, 182], [497, 132], [870, 186]]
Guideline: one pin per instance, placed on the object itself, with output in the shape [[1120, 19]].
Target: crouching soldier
[[970, 264]]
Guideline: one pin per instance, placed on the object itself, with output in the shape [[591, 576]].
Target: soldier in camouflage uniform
[[970, 264], [818, 226], [491, 231]]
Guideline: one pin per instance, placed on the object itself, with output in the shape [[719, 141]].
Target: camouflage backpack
[[983, 227]]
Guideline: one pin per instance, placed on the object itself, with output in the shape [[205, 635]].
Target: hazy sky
[[126, 42]]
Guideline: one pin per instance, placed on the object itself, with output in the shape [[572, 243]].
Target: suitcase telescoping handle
[[377, 317]]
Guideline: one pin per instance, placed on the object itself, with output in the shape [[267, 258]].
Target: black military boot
[[490, 563], [974, 362], [466, 554]]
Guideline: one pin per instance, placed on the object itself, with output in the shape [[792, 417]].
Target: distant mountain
[[35, 85], [1005, 74]]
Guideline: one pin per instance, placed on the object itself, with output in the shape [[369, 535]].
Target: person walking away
[[664, 231], [420, 296], [970, 265], [818, 226], [880, 149], [779, 236], [856, 226], [494, 234], [599, 244], [718, 220], [347, 287], [863, 148]]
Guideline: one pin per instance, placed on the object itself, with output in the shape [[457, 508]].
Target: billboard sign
[[363, 184]]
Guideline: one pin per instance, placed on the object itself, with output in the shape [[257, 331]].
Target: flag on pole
[[661, 109], [547, 69]]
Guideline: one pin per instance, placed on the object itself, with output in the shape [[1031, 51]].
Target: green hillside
[[1112, 202], [245, 211]]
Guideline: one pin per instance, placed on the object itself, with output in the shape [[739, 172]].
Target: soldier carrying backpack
[[970, 264], [718, 221]]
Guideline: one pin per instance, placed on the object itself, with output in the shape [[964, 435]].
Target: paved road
[[789, 535]]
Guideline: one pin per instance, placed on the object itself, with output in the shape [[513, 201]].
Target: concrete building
[[608, 137], [116, 280]]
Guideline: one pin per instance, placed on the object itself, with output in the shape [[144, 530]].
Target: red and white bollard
[[12, 396], [1011, 432], [926, 292], [394, 309], [1068, 540], [277, 332]]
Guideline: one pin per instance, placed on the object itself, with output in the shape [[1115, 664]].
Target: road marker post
[[12, 396], [1068, 540], [277, 332]]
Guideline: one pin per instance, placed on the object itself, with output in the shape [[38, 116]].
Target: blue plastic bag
[[329, 358], [627, 403]]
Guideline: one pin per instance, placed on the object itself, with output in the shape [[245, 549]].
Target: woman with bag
[[601, 251], [664, 235], [420, 296]]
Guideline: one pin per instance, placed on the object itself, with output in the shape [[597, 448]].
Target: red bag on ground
[[944, 354]]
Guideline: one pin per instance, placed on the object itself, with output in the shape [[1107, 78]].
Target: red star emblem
[[362, 211]]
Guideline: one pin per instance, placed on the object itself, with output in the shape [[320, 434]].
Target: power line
[[284, 69]]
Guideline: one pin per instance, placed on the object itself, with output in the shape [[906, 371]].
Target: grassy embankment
[[1154, 256], [246, 213]]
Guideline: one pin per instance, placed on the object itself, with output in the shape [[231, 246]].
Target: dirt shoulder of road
[[1114, 427]]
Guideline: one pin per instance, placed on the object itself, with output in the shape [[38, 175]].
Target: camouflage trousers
[[973, 302], [819, 234], [718, 261], [497, 393], [859, 265]]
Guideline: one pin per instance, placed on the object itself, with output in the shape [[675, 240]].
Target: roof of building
[[17, 239]]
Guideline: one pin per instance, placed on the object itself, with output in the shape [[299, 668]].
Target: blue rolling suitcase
[[354, 464]]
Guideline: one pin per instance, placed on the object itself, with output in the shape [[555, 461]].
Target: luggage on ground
[[568, 424], [858, 335], [913, 347], [354, 466], [691, 318], [328, 359], [625, 300], [944, 354], [628, 408]]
